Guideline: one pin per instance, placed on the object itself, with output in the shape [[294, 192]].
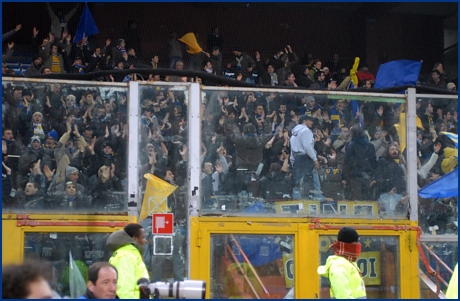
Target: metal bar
[[245, 275], [133, 142], [439, 238], [430, 284], [194, 149], [437, 96], [267, 294], [33, 223], [437, 258], [411, 146], [313, 92], [86, 83]]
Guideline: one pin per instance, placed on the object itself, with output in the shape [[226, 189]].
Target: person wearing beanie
[[36, 127], [341, 268], [72, 174], [71, 197], [33, 152]]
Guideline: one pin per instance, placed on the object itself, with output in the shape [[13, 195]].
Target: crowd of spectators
[[65, 146]]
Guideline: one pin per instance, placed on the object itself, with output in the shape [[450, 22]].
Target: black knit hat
[[348, 235]]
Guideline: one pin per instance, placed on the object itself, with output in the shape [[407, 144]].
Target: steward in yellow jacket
[[452, 290], [128, 246], [341, 269]]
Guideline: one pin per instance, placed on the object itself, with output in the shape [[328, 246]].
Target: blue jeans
[[303, 168]]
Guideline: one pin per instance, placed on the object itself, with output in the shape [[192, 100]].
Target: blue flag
[[86, 26], [444, 187], [397, 73]]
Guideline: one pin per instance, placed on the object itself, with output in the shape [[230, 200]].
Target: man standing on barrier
[[128, 246], [303, 154], [341, 268]]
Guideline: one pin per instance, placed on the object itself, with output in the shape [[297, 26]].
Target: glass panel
[[256, 154], [86, 248], [378, 262], [436, 157], [163, 154], [251, 266], [447, 253], [64, 147]]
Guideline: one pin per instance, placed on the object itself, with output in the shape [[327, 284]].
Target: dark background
[[376, 32]]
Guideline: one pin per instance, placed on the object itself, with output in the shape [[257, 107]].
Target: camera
[[187, 289]]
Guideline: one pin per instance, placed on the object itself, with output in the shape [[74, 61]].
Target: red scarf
[[346, 250]]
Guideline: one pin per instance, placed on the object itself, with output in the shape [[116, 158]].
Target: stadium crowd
[[64, 146]]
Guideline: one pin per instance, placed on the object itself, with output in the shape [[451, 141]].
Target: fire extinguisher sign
[[162, 223]]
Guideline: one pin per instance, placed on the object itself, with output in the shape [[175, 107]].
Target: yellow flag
[[401, 129], [418, 123], [353, 76], [156, 196], [189, 39]]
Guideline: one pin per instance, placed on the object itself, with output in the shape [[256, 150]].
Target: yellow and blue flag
[[451, 136]]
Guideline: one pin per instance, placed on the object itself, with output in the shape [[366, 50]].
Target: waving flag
[[353, 71], [156, 196], [86, 26], [452, 136], [189, 39], [397, 73], [444, 187]]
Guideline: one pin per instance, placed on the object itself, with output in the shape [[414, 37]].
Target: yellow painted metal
[[306, 233], [13, 234]]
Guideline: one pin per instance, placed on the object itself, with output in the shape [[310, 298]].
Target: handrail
[[267, 294], [245, 275], [437, 258], [430, 270]]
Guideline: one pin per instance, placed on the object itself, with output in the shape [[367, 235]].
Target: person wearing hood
[[360, 163], [33, 152], [303, 155], [341, 269], [128, 245]]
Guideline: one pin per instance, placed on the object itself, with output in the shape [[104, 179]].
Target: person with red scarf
[[341, 268]]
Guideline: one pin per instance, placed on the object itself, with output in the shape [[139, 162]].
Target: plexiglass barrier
[[437, 160], [261, 154], [64, 147], [163, 163], [251, 266]]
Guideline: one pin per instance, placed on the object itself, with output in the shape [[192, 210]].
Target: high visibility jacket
[[128, 261], [452, 289], [345, 278]]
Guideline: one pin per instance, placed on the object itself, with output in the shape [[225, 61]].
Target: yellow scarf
[[55, 64]]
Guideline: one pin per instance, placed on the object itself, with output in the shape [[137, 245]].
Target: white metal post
[[411, 146], [133, 144]]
